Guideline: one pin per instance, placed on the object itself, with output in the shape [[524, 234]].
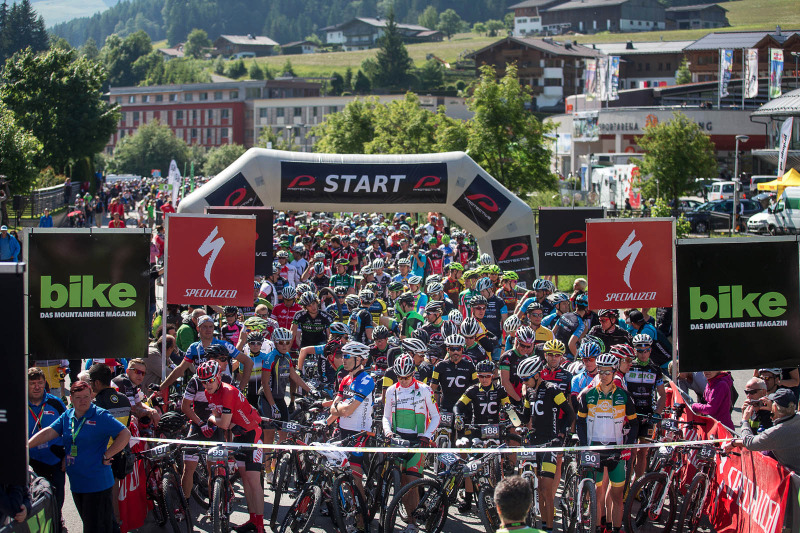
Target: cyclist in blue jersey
[[561, 305]]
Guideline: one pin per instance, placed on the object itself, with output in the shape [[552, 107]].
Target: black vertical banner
[[562, 239], [13, 378], [264, 237]]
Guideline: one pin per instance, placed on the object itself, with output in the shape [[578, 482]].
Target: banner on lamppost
[[725, 68], [613, 78], [602, 79], [783, 151], [751, 73], [590, 79], [775, 72], [174, 179]]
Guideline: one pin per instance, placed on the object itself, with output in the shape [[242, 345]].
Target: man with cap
[[781, 439], [9, 247]]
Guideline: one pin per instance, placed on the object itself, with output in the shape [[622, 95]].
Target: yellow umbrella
[[790, 179]]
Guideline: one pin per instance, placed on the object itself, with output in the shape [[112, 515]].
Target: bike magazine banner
[[89, 292], [389, 183], [516, 253], [725, 68], [751, 73], [14, 378], [562, 239], [775, 72], [748, 492], [632, 260], [208, 259], [732, 295], [264, 244]]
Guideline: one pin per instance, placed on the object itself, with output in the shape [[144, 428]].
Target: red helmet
[[622, 350], [208, 371]]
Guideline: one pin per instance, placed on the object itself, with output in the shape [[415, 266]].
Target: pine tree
[[348, 79], [392, 57]]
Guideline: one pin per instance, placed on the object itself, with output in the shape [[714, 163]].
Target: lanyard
[[74, 431], [36, 417]]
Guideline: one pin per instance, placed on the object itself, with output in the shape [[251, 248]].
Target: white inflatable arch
[[449, 183]]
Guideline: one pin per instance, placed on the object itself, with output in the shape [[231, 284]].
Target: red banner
[[132, 492], [209, 259], [631, 260], [748, 494]]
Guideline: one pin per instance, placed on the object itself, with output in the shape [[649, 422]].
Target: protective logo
[[427, 182], [514, 250], [302, 182], [483, 203], [235, 192], [580, 237]]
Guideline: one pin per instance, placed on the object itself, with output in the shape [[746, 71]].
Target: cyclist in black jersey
[[608, 331], [523, 348], [310, 328], [433, 318], [646, 389], [339, 309], [361, 324], [381, 354], [452, 376]]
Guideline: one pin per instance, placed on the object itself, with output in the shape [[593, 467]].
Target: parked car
[[689, 203], [721, 190], [755, 180], [783, 217], [717, 214]]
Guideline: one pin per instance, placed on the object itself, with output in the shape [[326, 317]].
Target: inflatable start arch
[[449, 183]]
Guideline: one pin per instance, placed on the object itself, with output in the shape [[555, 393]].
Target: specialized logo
[[630, 250], [732, 302], [211, 246], [514, 250], [427, 182], [83, 293], [579, 237], [484, 201]]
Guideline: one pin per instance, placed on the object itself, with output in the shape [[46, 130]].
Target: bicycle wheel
[[429, 514], [219, 518], [175, 504], [391, 483], [651, 505], [300, 517], [348, 504], [487, 510], [567, 504], [692, 507], [586, 510], [442, 441], [281, 479], [200, 486], [159, 510]]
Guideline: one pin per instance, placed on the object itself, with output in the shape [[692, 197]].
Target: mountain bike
[[579, 497], [699, 489], [384, 478], [163, 488]]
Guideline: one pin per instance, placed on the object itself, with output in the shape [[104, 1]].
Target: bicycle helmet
[[395, 286], [433, 278], [582, 300], [256, 285], [377, 264], [255, 323], [622, 350], [486, 259], [642, 339], [356, 349], [433, 306], [281, 334], [529, 367], [415, 280], [352, 301], [494, 269], [557, 298], [548, 286], [596, 340], [613, 314], [343, 261], [455, 340], [216, 351], [289, 293], [404, 261], [434, 288], [471, 273], [483, 284], [406, 297], [302, 289], [510, 275], [554, 346], [366, 296], [533, 306], [319, 256], [412, 344], [485, 367], [282, 254], [208, 371], [512, 324], [609, 360], [319, 268], [403, 366], [366, 270], [172, 422], [538, 284], [255, 336], [339, 328], [380, 332], [308, 298], [478, 299], [340, 290], [455, 317], [526, 335], [470, 327], [589, 350], [456, 266], [422, 335], [230, 310]]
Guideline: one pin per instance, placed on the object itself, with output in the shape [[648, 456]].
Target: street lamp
[[796, 55], [744, 139], [288, 137]]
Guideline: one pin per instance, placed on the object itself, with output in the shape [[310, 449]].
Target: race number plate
[[706, 453], [490, 432], [217, 451], [527, 456], [669, 425], [447, 458], [291, 427], [446, 420], [473, 466], [663, 450], [590, 459]]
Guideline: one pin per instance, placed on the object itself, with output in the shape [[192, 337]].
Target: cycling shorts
[[616, 473], [356, 458], [252, 459], [413, 463], [266, 409], [646, 429], [548, 463]]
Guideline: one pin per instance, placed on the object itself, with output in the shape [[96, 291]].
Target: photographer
[[761, 415]]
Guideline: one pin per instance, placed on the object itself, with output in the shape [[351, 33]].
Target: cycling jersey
[[410, 411], [453, 288], [284, 315], [601, 416], [383, 359], [258, 365], [357, 388], [196, 393], [566, 326], [338, 311], [453, 379], [610, 338], [383, 279], [231, 332], [313, 329], [325, 369], [476, 353], [343, 280], [547, 307], [510, 298], [510, 361], [550, 320], [563, 380], [542, 406], [126, 387], [464, 298], [422, 373], [580, 381], [280, 366], [268, 292], [435, 260], [409, 323], [464, 253], [229, 399], [360, 323], [288, 273], [495, 309], [642, 380], [196, 354], [486, 403], [377, 309], [321, 282]]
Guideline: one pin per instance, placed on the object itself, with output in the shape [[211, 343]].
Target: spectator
[[47, 459], [716, 397], [9, 246], [781, 439], [116, 207], [187, 333], [772, 377], [761, 416], [15, 503], [167, 209], [88, 455], [153, 361], [46, 221], [513, 497], [116, 221]]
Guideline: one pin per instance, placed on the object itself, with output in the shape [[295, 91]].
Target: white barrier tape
[[397, 449]]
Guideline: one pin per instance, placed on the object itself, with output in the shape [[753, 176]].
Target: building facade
[[228, 45], [593, 16], [694, 17], [362, 33], [528, 16], [646, 64]]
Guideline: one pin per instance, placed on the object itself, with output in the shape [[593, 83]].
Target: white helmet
[[403, 365], [529, 367], [377, 263], [455, 340], [526, 335], [486, 259], [281, 334], [356, 349], [512, 324], [289, 293], [413, 344], [470, 327], [455, 317]]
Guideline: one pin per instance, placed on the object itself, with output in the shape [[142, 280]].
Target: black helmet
[[230, 310], [255, 336], [172, 422], [216, 351], [478, 299], [380, 332], [406, 297], [422, 335]]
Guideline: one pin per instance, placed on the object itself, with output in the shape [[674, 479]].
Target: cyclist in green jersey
[[408, 320], [513, 497]]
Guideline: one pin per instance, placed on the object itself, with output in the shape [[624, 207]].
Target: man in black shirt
[[608, 331]]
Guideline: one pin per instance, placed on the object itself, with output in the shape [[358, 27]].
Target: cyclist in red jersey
[[284, 313], [230, 410]]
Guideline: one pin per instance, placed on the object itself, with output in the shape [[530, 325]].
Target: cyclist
[[409, 412], [404, 266], [544, 401], [410, 320], [587, 353], [604, 409], [540, 290], [422, 369], [233, 327], [644, 380], [510, 327], [453, 285], [361, 324], [339, 309], [465, 252], [561, 305], [286, 270], [378, 308], [284, 312], [570, 327], [342, 278], [435, 291], [509, 362], [257, 348], [128, 385], [608, 330], [381, 354], [496, 310], [453, 375], [434, 324], [558, 375], [471, 333], [470, 278], [534, 314], [231, 411], [381, 278]]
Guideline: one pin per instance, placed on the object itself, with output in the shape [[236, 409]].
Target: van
[[721, 190], [783, 217]]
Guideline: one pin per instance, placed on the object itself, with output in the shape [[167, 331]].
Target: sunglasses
[[231, 314], [255, 343], [751, 391], [138, 372], [403, 378], [263, 315], [485, 376], [454, 348], [605, 372], [524, 345], [479, 307], [284, 343], [643, 349], [536, 315]]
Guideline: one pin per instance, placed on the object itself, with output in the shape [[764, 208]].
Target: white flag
[[751, 73], [783, 151], [174, 179]]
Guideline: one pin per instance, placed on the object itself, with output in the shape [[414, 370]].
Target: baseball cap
[[774, 371], [783, 397], [636, 316], [3, 228], [203, 319]]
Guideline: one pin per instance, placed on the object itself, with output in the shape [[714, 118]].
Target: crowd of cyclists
[[376, 329]]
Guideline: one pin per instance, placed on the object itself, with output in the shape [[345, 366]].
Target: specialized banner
[[631, 259], [236, 192], [751, 73], [590, 79], [205, 259], [562, 239], [734, 293], [14, 377], [725, 68], [613, 78], [516, 253], [89, 292], [602, 79], [264, 229], [585, 126], [396, 183], [482, 203], [775, 72], [785, 140]]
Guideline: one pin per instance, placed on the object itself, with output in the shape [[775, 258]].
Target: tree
[[450, 23], [21, 27], [479, 28], [392, 57], [314, 38], [362, 85], [57, 97], [504, 137], [288, 69], [236, 69], [219, 158], [677, 153], [255, 72], [508, 20], [431, 75], [219, 65], [337, 84], [494, 27], [348, 79], [152, 146], [276, 139], [21, 150], [196, 44], [348, 131], [118, 55], [89, 49], [683, 76], [429, 18]]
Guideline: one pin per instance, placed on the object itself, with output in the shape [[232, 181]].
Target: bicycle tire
[[487, 511], [391, 483], [586, 516], [427, 521], [687, 521], [219, 518], [159, 509], [175, 503], [567, 500], [300, 517], [200, 486], [637, 516], [347, 504], [281, 482]]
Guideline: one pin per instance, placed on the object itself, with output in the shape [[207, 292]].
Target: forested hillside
[[282, 20]]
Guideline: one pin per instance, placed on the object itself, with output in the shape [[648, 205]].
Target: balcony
[[530, 72], [537, 90]]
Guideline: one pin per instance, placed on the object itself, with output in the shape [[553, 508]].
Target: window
[[552, 82], [638, 66], [131, 99], [159, 98], [314, 111], [660, 66], [187, 97], [262, 112], [118, 99], [203, 96], [210, 115], [279, 112], [669, 66], [523, 21], [233, 95], [647, 67], [298, 111], [145, 98], [332, 109], [209, 133], [179, 114], [223, 133], [194, 133], [194, 114], [135, 116], [217, 95], [252, 92], [173, 98], [224, 113]]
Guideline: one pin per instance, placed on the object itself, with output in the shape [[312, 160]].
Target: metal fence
[[34, 203]]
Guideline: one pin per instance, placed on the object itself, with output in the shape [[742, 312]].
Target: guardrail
[[34, 203]]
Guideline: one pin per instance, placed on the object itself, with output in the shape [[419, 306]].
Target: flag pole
[[164, 303]]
